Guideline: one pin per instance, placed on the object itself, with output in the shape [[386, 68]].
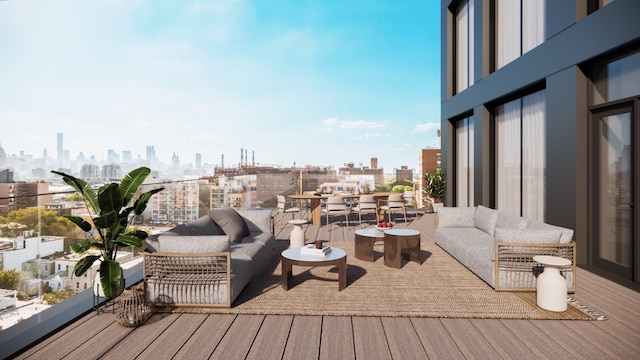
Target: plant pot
[[436, 205], [97, 285]]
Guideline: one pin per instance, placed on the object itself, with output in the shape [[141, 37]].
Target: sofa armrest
[[515, 269], [187, 280]]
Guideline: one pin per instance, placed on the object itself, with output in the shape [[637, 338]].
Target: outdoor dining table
[[315, 202]]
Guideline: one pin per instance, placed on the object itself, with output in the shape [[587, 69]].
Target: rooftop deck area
[[224, 336]]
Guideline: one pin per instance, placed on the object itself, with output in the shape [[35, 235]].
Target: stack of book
[[310, 250]]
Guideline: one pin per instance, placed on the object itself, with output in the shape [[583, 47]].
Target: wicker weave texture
[[186, 280], [516, 270]]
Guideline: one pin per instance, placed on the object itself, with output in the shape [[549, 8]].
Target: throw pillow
[[510, 221], [455, 217], [193, 244], [230, 222], [485, 219], [527, 236]]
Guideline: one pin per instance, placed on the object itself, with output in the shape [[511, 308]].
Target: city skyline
[[296, 82], [62, 156]]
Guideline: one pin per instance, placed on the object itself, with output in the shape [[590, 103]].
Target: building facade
[[540, 115]]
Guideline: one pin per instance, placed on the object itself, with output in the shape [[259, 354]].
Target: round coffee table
[[364, 239], [336, 257], [397, 241]]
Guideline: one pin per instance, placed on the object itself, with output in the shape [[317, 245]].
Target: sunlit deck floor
[[200, 336]]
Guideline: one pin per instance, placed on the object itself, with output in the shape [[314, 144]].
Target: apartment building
[[540, 115]]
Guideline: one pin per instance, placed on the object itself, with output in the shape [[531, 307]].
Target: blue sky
[[311, 82]]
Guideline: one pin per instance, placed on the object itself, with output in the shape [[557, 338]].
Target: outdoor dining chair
[[282, 209], [394, 204], [367, 204], [336, 205]]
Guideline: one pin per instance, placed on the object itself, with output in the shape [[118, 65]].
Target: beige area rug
[[438, 287]]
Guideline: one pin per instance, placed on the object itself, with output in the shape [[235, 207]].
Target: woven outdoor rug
[[439, 287]]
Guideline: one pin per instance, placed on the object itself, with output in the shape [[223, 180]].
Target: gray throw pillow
[[485, 219], [230, 222], [193, 244], [527, 236]]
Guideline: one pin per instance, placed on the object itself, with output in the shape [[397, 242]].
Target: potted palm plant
[[435, 185], [109, 228]]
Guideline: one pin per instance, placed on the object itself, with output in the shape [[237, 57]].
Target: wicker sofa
[[498, 247], [208, 262]]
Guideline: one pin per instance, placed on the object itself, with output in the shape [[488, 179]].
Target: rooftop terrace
[[229, 336]]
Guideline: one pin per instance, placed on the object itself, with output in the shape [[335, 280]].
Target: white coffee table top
[[294, 254], [551, 260], [402, 232], [298, 222], [370, 232]]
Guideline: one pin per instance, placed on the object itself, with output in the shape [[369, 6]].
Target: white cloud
[[426, 127], [353, 124]]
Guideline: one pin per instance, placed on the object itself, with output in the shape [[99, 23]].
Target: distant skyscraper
[[151, 153], [198, 160], [3, 156], [59, 153]]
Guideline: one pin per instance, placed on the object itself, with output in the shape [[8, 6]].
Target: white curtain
[[508, 153], [464, 45], [533, 156], [508, 31], [464, 162], [521, 156], [532, 24]]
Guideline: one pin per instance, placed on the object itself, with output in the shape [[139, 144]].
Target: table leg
[[364, 247], [316, 211], [412, 246], [392, 252], [342, 274], [286, 273]]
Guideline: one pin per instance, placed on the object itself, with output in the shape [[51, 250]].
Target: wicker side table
[[132, 310]]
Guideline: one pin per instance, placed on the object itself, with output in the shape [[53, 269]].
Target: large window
[[616, 79], [464, 45], [520, 156], [464, 162], [519, 28]]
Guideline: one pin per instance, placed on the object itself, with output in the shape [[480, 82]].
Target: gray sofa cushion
[[258, 221], [230, 222], [510, 221], [565, 238], [455, 217], [485, 219], [193, 244], [528, 236], [203, 226]]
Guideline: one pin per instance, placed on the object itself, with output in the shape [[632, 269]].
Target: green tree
[[57, 296], [9, 279], [51, 223]]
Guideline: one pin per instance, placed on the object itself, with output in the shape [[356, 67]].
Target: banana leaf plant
[[109, 230]]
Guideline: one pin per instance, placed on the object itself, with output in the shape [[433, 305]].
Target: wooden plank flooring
[[202, 336]]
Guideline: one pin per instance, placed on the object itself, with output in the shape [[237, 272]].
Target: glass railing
[[38, 290]]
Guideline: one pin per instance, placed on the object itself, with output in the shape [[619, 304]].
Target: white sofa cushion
[[193, 244], [485, 219], [566, 233], [455, 217], [527, 236], [511, 221]]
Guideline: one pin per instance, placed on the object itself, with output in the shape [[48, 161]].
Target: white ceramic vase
[[551, 289]]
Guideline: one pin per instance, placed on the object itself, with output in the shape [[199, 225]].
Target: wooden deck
[[201, 336]]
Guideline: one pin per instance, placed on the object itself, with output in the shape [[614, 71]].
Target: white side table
[[551, 286], [297, 234]]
